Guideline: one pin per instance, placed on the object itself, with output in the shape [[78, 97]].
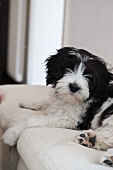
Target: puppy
[[83, 99]]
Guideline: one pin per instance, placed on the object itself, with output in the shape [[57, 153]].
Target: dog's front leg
[[107, 158], [12, 134], [33, 105]]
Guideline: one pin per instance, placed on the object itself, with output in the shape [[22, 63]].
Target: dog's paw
[[31, 105], [107, 161], [11, 136], [88, 138], [26, 104], [107, 158]]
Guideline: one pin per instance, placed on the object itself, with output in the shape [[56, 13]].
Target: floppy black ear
[[101, 77], [111, 76], [57, 64]]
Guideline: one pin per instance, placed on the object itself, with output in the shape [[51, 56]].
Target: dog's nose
[[73, 87]]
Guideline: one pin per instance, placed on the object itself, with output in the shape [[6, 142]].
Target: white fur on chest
[[71, 113]]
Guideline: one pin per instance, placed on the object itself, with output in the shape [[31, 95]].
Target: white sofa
[[40, 148]]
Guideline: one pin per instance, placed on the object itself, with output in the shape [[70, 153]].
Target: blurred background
[[31, 30]]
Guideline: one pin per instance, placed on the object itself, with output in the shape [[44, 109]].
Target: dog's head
[[77, 74]]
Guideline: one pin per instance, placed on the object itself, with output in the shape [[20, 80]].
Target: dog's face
[[77, 75]]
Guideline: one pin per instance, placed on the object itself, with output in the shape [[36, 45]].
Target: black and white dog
[[83, 99]]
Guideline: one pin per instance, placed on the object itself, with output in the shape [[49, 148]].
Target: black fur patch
[[94, 109]]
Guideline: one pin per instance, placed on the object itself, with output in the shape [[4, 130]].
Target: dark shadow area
[[4, 20], [6, 79]]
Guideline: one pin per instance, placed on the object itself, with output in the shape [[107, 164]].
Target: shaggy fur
[[82, 99]]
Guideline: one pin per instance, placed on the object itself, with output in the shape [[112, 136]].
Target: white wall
[[89, 25], [45, 36]]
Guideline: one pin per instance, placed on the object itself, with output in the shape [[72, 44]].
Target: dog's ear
[[57, 64], [111, 76], [101, 77]]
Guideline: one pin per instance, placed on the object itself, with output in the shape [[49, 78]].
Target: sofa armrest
[[55, 148]]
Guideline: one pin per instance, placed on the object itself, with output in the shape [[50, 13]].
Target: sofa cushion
[[10, 112], [55, 149]]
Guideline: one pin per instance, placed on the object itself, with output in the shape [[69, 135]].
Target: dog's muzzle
[[73, 87]]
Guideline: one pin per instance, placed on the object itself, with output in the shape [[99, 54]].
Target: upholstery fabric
[[55, 149]]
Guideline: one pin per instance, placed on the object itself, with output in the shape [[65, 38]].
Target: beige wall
[[89, 25]]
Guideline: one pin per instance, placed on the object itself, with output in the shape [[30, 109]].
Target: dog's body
[[82, 99]]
